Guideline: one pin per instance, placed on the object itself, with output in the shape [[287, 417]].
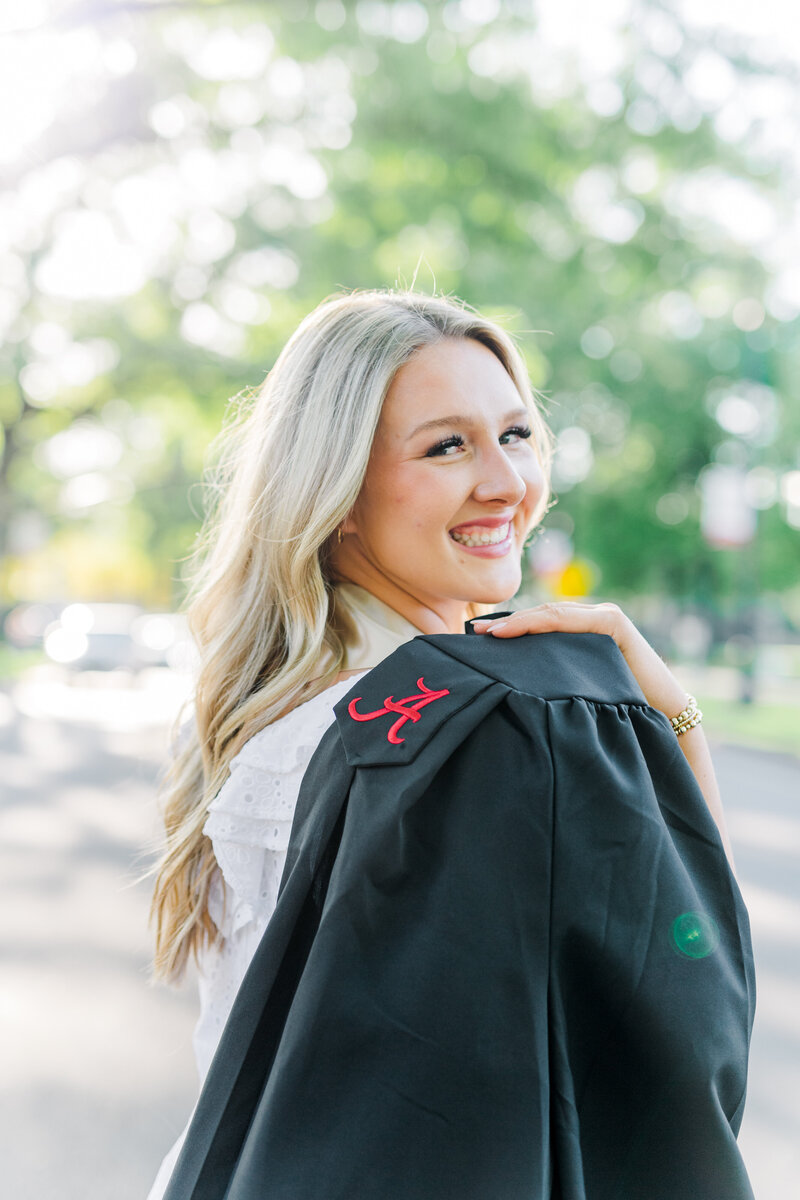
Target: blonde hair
[[261, 607]]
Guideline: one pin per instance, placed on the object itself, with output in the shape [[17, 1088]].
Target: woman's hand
[[660, 687]]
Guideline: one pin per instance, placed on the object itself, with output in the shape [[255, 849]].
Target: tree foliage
[[211, 171]]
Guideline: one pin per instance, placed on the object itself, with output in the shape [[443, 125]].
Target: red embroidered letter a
[[408, 708]]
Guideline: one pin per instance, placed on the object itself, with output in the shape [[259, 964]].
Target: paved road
[[96, 1071], [98, 1076], [762, 799]]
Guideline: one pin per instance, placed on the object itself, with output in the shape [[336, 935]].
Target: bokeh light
[[695, 934]]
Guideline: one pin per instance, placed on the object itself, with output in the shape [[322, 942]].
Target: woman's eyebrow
[[439, 422]]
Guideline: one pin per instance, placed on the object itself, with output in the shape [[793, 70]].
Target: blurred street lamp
[[790, 494], [733, 491], [727, 518]]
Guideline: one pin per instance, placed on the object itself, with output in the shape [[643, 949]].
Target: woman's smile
[[453, 454], [487, 538]]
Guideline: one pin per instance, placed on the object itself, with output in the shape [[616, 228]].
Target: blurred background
[[181, 181]]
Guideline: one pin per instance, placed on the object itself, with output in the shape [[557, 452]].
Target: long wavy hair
[[290, 462]]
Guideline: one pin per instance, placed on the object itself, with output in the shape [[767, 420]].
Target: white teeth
[[490, 537]]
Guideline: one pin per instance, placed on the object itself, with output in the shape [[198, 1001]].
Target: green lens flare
[[695, 934]]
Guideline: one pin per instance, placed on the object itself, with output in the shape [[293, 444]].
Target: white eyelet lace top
[[249, 823]]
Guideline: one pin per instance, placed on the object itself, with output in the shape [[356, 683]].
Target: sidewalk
[[96, 1068]]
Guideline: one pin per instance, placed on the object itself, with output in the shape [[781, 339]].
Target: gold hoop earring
[[339, 537]]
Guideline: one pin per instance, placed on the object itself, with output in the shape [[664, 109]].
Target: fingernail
[[479, 622], [497, 625]]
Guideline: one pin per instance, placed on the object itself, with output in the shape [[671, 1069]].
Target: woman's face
[[452, 483]]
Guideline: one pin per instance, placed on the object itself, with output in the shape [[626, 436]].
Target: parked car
[[95, 637]]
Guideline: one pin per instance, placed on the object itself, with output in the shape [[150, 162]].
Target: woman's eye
[[518, 431], [441, 448]]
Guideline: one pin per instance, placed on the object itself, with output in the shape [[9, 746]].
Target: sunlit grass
[[764, 726], [13, 661]]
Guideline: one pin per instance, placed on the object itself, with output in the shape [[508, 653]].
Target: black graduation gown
[[509, 960]]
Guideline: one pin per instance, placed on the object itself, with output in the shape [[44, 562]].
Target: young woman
[[381, 485]]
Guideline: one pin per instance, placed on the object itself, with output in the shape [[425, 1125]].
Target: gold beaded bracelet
[[688, 718]]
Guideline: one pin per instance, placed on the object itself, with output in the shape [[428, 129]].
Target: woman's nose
[[497, 479]]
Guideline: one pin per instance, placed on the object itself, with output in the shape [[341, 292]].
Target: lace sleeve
[[249, 823], [250, 819]]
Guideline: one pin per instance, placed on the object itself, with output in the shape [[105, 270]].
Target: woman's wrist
[[688, 718], [661, 689]]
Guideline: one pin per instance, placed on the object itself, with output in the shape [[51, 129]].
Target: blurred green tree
[[204, 173]]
